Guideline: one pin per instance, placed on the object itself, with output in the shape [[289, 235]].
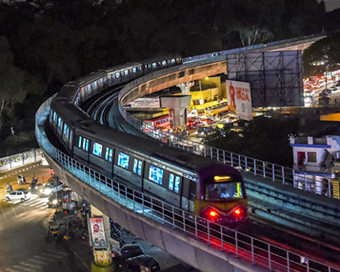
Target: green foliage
[[18, 143], [327, 50]]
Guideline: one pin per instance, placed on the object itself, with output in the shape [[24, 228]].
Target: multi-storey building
[[316, 164]]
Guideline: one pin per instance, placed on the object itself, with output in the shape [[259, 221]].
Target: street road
[[23, 232]]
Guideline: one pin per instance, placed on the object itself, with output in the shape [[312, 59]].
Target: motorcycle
[[21, 180], [8, 189], [34, 185]]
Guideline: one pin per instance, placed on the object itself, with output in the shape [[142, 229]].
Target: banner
[[239, 99], [98, 233]]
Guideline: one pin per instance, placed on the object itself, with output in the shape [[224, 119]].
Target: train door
[[188, 195]]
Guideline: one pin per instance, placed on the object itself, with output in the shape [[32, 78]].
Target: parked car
[[131, 250], [52, 187], [19, 194], [147, 261], [204, 130]]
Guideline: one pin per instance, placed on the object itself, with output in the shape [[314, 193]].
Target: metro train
[[79, 90], [199, 185]]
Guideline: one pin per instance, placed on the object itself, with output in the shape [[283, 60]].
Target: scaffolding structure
[[275, 77]]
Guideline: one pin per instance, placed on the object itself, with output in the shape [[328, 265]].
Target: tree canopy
[[46, 43]]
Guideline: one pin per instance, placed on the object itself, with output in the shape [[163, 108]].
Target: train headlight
[[55, 201], [213, 214], [237, 212]]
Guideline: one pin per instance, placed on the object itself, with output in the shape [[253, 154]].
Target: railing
[[277, 173], [20, 159], [250, 249]]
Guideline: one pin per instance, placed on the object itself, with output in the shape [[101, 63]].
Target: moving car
[[56, 198], [52, 187], [20, 194]]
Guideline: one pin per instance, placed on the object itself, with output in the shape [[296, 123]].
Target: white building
[[314, 163]]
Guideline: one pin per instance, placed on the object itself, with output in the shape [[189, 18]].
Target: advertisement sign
[[98, 233], [239, 99], [144, 103]]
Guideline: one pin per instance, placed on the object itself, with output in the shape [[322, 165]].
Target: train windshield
[[223, 191]]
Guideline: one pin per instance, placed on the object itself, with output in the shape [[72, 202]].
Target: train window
[[123, 160], [173, 61], [137, 167], [71, 139], [164, 62], [117, 75], [134, 70], [135, 163], [226, 190], [65, 133], [156, 174], [80, 141], [108, 154], [171, 182], [140, 168], [181, 74], [126, 72], [95, 84], [101, 81], [97, 149], [154, 65], [60, 123], [54, 117], [85, 144], [177, 182]]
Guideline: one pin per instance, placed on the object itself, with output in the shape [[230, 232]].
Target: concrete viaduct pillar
[[102, 256], [185, 87], [177, 105]]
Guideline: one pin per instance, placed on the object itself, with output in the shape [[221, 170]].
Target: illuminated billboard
[[275, 77], [144, 102], [98, 233], [239, 99]]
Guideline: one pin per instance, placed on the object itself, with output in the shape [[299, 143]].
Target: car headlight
[[54, 201], [47, 191]]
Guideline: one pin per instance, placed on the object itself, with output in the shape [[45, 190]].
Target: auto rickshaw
[[53, 228]]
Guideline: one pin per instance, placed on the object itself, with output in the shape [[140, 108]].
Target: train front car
[[222, 196]]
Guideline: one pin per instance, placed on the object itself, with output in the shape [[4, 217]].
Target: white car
[[20, 194], [52, 187]]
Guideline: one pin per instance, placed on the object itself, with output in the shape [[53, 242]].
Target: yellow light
[[222, 178]]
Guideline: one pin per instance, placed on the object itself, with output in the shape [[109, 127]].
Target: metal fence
[[267, 170], [241, 245]]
